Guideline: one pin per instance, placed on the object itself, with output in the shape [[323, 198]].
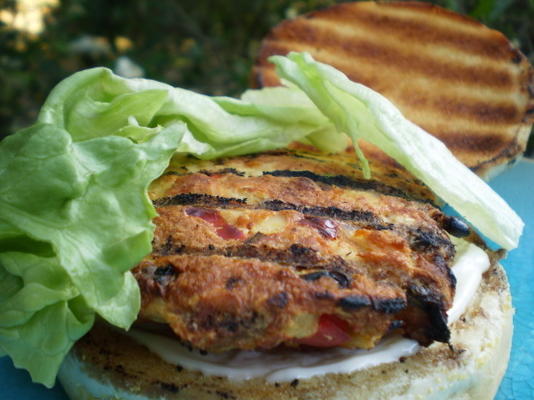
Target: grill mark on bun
[[477, 110], [511, 153], [447, 73], [339, 48], [417, 30], [473, 143]]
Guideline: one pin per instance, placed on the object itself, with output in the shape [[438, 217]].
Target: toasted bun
[[459, 80], [109, 365]]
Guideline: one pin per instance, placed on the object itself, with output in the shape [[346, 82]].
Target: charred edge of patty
[[424, 240], [432, 306], [454, 225]]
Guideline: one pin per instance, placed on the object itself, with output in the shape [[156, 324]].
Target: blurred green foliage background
[[207, 46]]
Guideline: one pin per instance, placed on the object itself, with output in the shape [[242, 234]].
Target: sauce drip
[[223, 228], [326, 227]]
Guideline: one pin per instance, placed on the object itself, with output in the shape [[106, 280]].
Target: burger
[[287, 275], [276, 266]]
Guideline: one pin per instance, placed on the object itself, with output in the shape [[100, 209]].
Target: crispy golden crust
[[460, 81], [248, 255]]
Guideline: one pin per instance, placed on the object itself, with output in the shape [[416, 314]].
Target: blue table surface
[[517, 187]]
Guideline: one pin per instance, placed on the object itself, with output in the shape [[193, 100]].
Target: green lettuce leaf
[[42, 313], [288, 106], [74, 218], [96, 102], [365, 114]]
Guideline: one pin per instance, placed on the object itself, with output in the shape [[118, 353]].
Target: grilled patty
[[293, 248]]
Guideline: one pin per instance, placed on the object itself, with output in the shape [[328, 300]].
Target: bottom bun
[[107, 364]]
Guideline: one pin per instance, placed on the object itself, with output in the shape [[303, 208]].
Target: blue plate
[[517, 187]]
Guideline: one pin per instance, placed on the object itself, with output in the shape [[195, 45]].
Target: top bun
[[459, 80]]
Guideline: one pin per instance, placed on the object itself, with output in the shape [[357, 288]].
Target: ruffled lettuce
[[74, 212], [74, 218], [96, 103]]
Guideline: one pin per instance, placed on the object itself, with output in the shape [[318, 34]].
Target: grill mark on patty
[[156, 278], [390, 305], [341, 181], [304, 259], [350, 303], [354, 302], [344, 182], [201, 199], [223, 171], [418, 296], [298, 256], [419, 238], [366, 217], [196, 199]]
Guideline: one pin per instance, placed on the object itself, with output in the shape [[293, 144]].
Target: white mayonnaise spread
[[286, 365]]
